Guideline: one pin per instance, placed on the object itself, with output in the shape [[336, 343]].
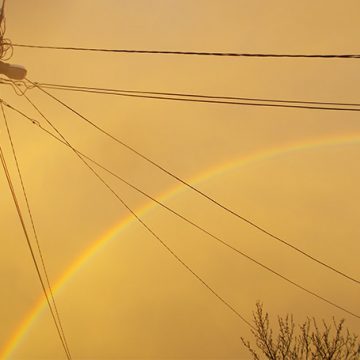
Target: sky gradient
[[130, 299]]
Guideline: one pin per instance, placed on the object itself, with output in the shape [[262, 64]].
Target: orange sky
[[132, 300]]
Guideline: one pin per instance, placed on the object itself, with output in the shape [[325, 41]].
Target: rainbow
[[90, 252]]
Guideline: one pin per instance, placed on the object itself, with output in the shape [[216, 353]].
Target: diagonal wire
[[13, 193], [35, 231], [201, 193], [80, 154], [199, 53], [187, 267]]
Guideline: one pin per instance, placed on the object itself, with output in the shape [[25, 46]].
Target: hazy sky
[[132, 299]]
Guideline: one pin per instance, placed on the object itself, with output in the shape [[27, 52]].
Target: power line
[[13, 193], [199, 98], [187, 267], [198, 53], [201, 193], [34, 230], [191, 95], [80, 154]]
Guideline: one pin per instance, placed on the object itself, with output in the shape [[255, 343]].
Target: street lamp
[[13, 71]]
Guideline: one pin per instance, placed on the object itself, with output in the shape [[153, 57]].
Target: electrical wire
[[192, 95], [198, 53], [13, 193], [201, 193], [6, 48], [138, 218], [16, 85], [218, 239], [198, 98], [35, 231]]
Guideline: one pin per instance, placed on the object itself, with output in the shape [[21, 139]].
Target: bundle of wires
[[6, 48]]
